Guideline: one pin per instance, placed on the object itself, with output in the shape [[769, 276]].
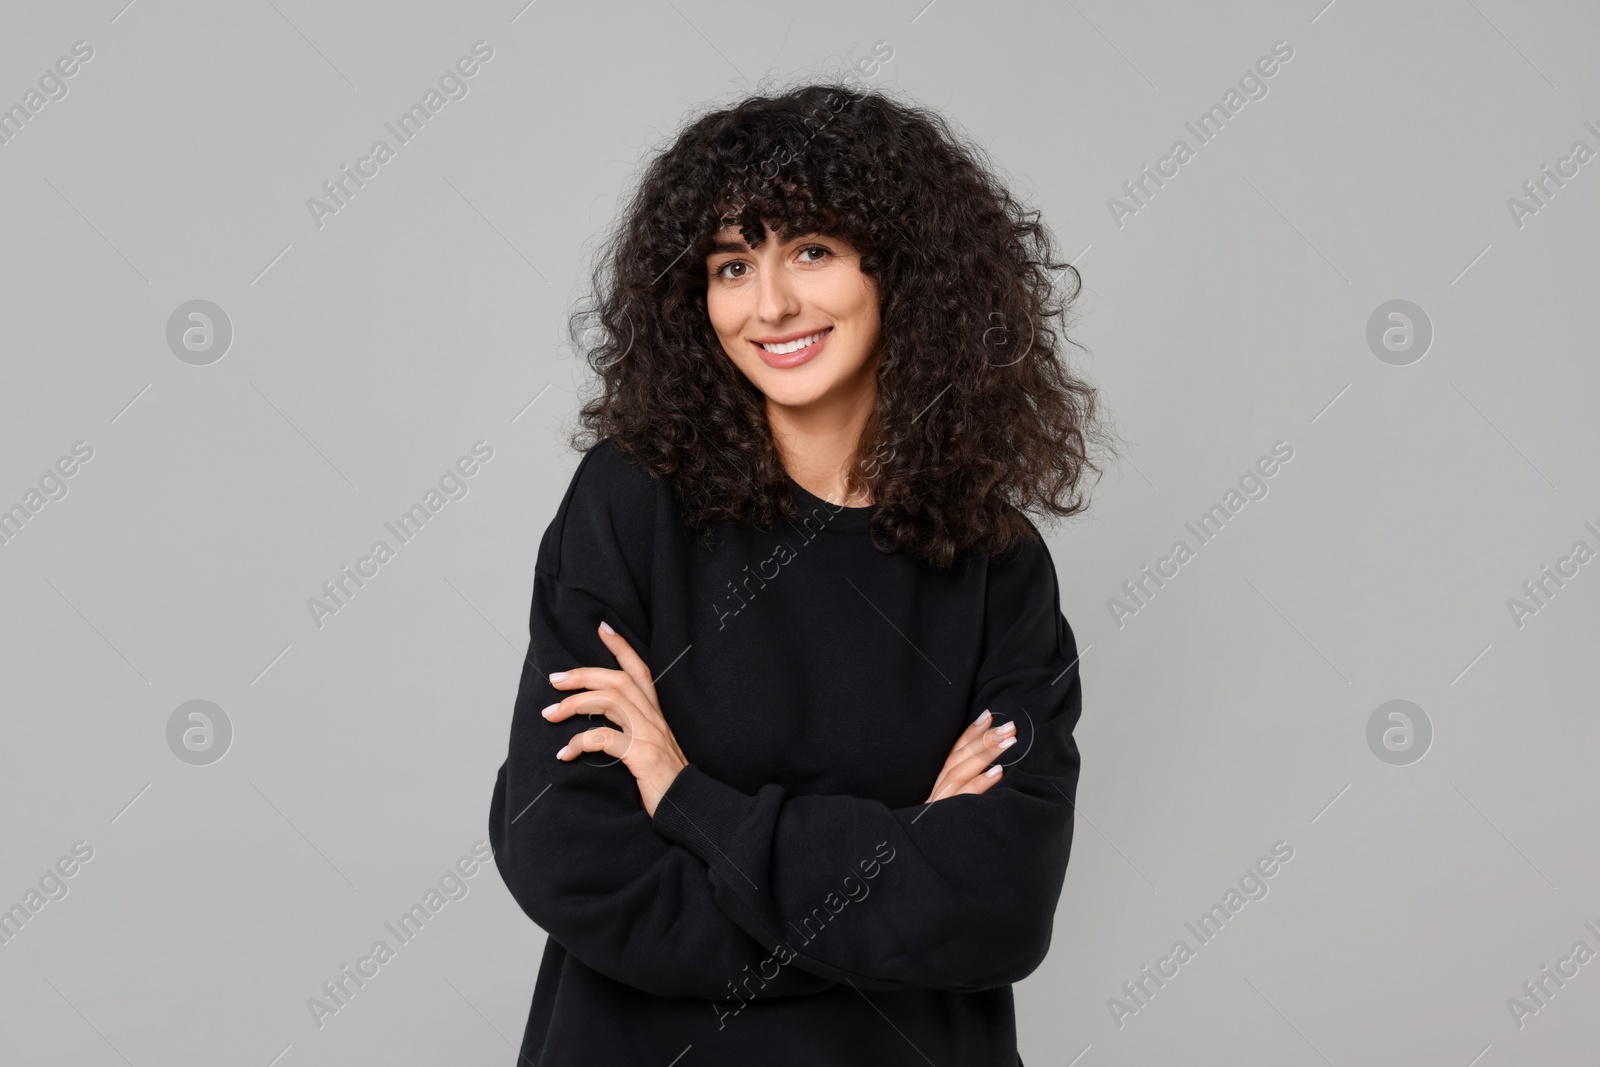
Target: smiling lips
[[793, 351]]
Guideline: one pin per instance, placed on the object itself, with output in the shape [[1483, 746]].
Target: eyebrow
[[739, 247]]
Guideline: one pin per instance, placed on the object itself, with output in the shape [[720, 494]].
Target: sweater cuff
[[701, 814]]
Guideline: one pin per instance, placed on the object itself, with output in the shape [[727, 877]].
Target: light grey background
[[369, 354]]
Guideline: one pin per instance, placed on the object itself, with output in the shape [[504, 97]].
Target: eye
[[722, 271], [816, 248]]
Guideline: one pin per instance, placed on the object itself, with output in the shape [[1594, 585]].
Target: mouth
[[792, 351]]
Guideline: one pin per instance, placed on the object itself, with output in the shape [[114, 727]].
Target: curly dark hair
[[977, 418]]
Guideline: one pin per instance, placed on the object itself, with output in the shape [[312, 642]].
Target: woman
[[791, 768]]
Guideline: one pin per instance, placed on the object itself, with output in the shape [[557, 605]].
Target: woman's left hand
[[627, 697]]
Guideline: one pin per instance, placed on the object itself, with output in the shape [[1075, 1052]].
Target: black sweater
[[794, 901]]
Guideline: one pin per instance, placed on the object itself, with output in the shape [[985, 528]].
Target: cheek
[[866, 300], [866, 310], [850, 296], [723, 313], [869, 311]]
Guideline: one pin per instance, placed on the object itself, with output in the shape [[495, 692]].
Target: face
[[797, 316]]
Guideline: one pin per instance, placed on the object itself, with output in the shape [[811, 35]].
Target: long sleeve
[[958, 895], [572, 841]]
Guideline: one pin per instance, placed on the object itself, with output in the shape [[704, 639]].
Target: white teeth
[[794, 346]]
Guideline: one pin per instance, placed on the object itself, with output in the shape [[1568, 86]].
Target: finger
[[982, 755], [579, 743], [971, 733], [970, 777], [986, 743], [589, 678], [981, 783], [616, 743], [962, 771], [608, 703], [977, 783], [607, 678], [630, 661], [975, 729], [599, 739]]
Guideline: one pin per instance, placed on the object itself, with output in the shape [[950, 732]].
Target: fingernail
[[982, 717], [992, 771], [559, 676], [563, 753], [606, 626], [1007, 743], [1008, 728], [546, 712]]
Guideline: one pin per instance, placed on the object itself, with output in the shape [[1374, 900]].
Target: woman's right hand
[[964, 769]]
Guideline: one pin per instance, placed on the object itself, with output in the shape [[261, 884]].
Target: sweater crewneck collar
[[834, 516]]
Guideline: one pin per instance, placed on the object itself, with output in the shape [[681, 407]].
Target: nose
[[776, 299]]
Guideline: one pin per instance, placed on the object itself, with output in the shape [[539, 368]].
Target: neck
[[819, 442]]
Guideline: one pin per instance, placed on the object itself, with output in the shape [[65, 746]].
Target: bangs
[[770, 181]]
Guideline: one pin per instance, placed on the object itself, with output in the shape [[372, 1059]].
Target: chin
[[790, 395]]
